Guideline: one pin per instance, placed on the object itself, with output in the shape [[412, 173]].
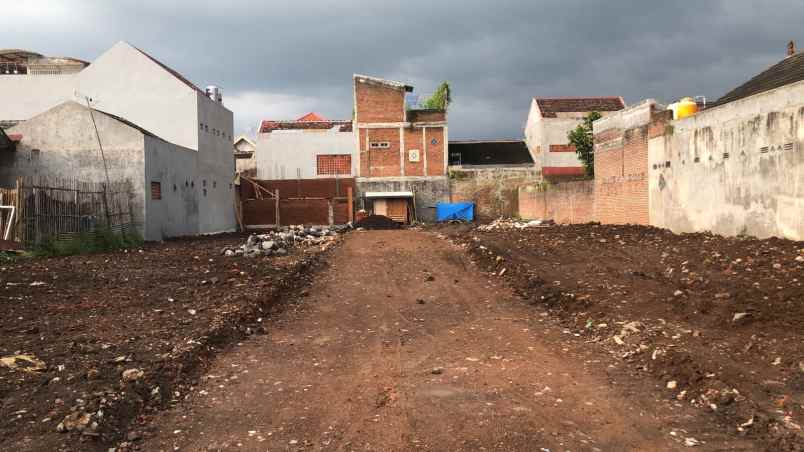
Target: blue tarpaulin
[[455, 211]]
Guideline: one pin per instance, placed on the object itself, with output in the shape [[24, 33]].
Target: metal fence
[[41, 209]]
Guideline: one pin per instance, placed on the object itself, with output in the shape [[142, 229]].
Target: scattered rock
[[132, 375], [26, 363], [672, 384], [134, 436], [74, 422], [739, 316], [691, 442], [437, 371]]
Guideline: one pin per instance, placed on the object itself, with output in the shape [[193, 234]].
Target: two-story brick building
[[402, 151]]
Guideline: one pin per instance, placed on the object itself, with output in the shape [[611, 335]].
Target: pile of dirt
[[377, 222], [90, 343], [718, 322]]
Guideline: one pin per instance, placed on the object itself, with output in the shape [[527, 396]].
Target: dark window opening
[[156, 190]]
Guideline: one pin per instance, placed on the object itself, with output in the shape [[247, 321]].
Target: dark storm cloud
[[281, 59]]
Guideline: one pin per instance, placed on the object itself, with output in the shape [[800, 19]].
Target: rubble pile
[[279, 242], [510, 223]]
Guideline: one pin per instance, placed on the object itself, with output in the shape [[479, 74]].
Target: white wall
[[176, 169], [126, 83], [216, 167], [753, 192], [288, 155], [542, 132], [68, 148], [25, 96]]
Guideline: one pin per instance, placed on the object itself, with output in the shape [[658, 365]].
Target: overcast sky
[[279, 60]]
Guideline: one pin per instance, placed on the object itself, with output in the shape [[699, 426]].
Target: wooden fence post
[[276, 196], [351, 204]]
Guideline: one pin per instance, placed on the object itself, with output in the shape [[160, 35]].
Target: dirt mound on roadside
[[377, 222]]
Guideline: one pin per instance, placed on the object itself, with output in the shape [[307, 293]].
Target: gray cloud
[[280, 59]]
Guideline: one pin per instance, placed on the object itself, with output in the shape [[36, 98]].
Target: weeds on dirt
[[101, 240]]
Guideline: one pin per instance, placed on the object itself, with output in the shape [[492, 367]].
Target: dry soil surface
[[402, 344], [115, 336]]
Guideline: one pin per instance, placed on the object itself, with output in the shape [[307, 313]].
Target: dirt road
[[402, 344]]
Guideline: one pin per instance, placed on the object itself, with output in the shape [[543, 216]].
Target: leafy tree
[[440, 99], [583, 140]]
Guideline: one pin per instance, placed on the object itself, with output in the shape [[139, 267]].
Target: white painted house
[[127, 83], [549, 122], [311, 147]]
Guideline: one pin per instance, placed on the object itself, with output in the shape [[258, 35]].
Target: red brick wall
[[562, 148], [427, 116], [567, 202], [436, 152], [413, 140], [380, 162], [621, 178], [379, 104]]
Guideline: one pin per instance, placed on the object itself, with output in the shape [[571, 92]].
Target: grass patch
[[101, 240]]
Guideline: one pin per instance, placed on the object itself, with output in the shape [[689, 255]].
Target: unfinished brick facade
[[621, 164], [401, 151], [566, 202], [380, 118]]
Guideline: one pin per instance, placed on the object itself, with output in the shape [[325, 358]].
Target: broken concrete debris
[[507, 223], [278, 242]]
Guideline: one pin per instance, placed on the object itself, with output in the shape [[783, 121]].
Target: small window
[[214, 184], [175, 187], [380, 145], [192, 183], [204, 183], [201, 126], [156, 190], [205, 192], [206, 128]]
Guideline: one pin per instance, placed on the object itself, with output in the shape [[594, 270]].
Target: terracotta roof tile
[[312, 116], [270, 126], [550, 106]]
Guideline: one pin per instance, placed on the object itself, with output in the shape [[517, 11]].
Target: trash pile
[[509, 223], [279, 242]]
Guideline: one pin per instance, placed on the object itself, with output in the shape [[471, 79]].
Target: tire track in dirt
[[352, 368]]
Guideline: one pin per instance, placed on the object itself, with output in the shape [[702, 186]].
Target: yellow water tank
[[684, 108]]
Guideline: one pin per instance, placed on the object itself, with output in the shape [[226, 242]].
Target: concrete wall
[[62, 143], [216, 167], [736, 168], [25, 96], [494, 190], [565, 202], [176, 169], [125, 82], [428, 192], [292, 155]]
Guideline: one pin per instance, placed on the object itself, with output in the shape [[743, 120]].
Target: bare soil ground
[[163, 310], [717, 322], [567, 338], [403, 344]]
